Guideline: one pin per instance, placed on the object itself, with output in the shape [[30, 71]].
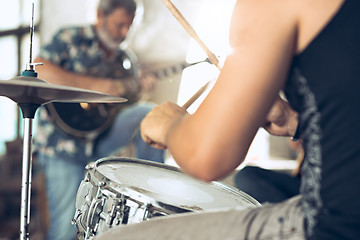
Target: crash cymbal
[[34, 90]]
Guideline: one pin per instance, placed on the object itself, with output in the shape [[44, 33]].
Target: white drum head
[[166, 184]]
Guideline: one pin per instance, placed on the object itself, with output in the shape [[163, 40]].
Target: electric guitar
[[89, 120]]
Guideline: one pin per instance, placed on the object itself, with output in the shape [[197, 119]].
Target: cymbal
[[34, 90]]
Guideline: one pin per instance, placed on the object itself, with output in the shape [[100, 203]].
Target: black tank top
[[324, 87]]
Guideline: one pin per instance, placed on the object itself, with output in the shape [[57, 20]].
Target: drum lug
[[76, 216], [101, 184], [89, 166], [87, 234], [87, 177], [119, 212], [146, 212], [95, 209], [94, 213]]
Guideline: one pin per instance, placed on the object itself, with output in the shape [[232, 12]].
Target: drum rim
[[136, 160], [218, 185]]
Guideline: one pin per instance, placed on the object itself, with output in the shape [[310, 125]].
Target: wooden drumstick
[[191, 32], [196, 96]]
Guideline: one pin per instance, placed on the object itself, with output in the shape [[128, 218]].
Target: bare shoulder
[[283, 18], [254, 18]]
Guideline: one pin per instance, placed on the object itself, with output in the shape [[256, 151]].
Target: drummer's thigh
[[271, 221]]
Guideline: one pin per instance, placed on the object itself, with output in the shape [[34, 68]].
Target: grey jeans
[[283, 220]]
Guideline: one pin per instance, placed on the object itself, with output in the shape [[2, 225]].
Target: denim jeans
[[63, 176], [267, 185]]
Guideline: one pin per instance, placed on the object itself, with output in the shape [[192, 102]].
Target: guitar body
[[86, 121], [89, 120]]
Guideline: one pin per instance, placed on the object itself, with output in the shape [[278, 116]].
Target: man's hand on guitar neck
[[54, 74], [147, 82]]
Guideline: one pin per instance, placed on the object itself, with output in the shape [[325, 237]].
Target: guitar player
[[88, 57]]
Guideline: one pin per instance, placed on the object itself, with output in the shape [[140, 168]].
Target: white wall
[[58, 13], [159, 37]]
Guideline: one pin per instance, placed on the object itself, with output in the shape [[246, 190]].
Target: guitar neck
[[174, 69]]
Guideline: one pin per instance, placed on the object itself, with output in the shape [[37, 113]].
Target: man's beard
[[107, 40]]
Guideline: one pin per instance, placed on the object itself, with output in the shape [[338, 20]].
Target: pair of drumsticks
[[192, 33]]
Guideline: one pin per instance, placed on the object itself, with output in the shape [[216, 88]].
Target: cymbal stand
[[28, 111], [26, 170]]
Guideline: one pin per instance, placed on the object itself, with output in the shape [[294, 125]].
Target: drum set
[[115, 191]]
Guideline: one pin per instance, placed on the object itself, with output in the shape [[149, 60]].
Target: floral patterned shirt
[[77, 50]]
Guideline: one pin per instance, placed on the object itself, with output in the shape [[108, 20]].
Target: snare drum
[[119, 191]]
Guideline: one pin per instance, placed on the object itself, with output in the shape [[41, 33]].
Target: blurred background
[[156, 36]]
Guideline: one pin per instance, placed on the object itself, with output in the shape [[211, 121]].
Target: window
[[15, 19]]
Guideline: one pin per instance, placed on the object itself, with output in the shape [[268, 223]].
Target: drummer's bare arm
[[212, 142], [56, 75], [265, 35]]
